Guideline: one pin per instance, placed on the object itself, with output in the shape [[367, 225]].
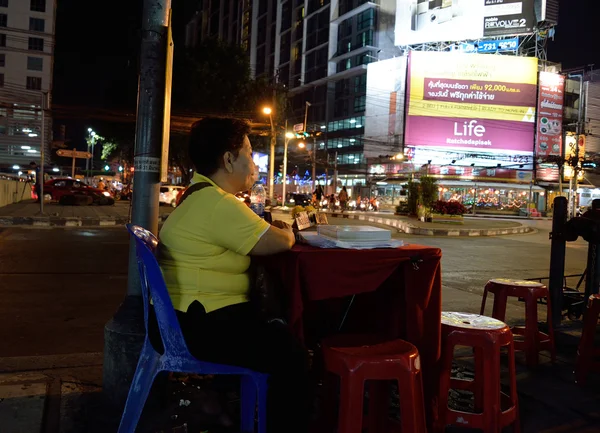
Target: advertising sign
[[482, 103], [487, 47], [384, 116], [575, 153], [427, 21], [550, 114]]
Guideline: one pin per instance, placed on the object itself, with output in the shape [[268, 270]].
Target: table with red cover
[[398, 292]]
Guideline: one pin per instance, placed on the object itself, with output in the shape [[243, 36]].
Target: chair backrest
[[154, 287]]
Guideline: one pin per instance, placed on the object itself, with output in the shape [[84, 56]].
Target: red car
[[58, 188]]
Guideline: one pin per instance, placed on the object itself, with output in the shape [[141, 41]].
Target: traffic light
[[106, 168]]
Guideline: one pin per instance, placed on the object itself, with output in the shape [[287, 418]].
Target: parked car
[[299, 199], [168, 194], [58, 188]]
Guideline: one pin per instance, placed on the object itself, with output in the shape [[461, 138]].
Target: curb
[[67, 221], [414, 230]]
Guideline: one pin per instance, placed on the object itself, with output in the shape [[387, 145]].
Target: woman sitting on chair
[[204, 253]]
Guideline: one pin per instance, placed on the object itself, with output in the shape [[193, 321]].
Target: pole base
[[123, 339]]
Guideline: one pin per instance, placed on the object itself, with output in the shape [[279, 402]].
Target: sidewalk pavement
[[28, 213], [471, 226], [62, 393]]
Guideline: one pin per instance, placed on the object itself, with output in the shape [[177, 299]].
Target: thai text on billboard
[[428, 21], [550, 113], [478, 102]]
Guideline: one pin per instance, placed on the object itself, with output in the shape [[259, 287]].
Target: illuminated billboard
[[550, 114], [428, 21], [481, 103]]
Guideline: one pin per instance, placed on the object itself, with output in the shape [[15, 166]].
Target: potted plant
[[402, 209], [296, 210], [312, 213]]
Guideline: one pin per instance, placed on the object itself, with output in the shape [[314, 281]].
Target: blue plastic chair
[[177, 357]]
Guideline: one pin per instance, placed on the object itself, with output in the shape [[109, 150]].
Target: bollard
[[592, 280], [557, 258]]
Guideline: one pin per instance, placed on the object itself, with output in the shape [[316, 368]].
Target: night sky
[[97, 44]]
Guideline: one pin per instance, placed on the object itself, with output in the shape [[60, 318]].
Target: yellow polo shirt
[[204, 246]]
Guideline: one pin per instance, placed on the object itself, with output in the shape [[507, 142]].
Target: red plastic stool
[[494, 410], [358, 358], [587, 353], [534, 340]]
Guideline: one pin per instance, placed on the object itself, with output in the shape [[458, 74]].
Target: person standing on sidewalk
[[343, 198], [204, 252]]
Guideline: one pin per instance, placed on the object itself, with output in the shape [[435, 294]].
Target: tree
[[214, 78]]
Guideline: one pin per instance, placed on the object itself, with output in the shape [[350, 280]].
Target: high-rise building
[[26, 62], [233, 21], [318, 50], [324, 49]]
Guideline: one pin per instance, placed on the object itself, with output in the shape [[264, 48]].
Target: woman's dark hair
[[211, 137]]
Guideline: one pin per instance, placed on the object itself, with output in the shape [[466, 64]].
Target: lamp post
[[288, 136], [91, 140], [269, 112]]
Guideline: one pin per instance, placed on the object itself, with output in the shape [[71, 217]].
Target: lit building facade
[[26, 67]]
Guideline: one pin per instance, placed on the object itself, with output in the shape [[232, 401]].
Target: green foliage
[[109, 148], [402, 208], [429, 191], [213, 77], [413, 197], [296, 210]]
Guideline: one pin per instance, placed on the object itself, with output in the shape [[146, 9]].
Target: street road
[[58, 287]]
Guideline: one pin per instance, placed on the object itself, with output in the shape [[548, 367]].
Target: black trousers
[[234, 335]]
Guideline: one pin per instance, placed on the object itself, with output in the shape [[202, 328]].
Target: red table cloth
[[402, 288]]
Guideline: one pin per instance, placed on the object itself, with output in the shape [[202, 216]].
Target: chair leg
[[499, 309], [480, 370], [514, 396], [248, 403], [262, 404], [351, 405], [441, 414], [146, 371], [412, 407], [585, 351], [482, 311], [491, 414]]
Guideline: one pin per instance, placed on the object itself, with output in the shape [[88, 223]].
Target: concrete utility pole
[[124, 333], [44, 107]]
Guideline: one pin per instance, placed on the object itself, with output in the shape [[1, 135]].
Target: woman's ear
[[228, 162]]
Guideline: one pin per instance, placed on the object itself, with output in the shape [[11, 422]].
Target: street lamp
[[288, 137], [268, 111], [87, 161]]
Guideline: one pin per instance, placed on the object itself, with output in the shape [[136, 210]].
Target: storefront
[[493, 197], [497, 191]]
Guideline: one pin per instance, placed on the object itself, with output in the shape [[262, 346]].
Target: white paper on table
[[315, 240]]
